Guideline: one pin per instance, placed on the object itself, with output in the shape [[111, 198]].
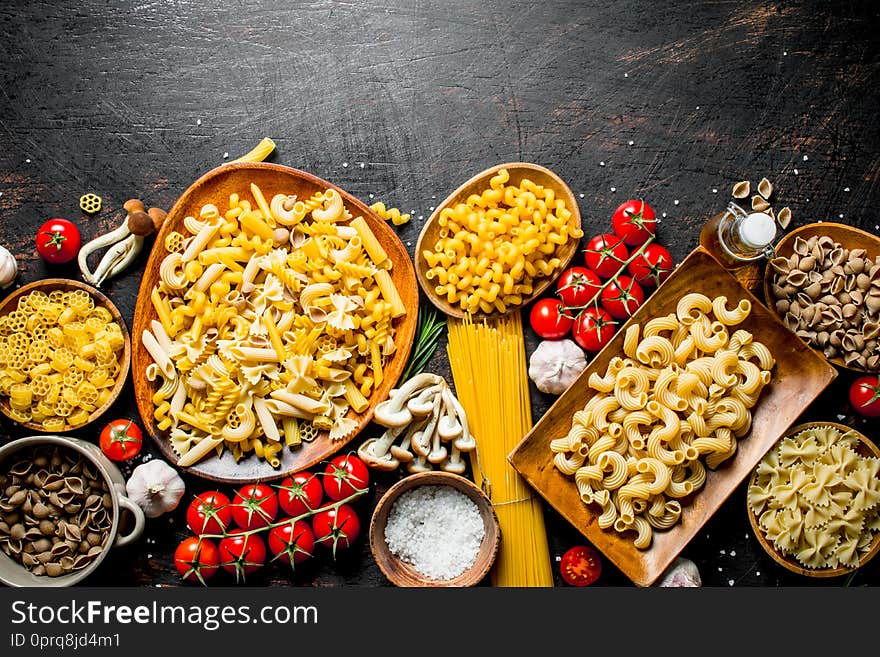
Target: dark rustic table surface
[[672, 102]]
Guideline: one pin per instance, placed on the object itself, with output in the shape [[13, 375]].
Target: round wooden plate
[[866, 448], [402, 573], [849, 237], [517, 170], [47, 285], [215, 187]]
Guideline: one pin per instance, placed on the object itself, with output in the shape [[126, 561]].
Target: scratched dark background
[[402, 101]]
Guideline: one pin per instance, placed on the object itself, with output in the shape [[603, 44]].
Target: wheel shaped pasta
[[274, 319], [674, 404]]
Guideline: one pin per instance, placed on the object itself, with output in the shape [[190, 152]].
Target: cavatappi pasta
[[60, 357], [274, 318], [392, 214], [675, 403], [494, 246]]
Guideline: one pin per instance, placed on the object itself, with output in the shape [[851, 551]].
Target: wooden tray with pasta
[[795, 379], [275, 312]]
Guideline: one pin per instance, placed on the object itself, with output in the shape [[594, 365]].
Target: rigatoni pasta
[[673, 404], [274, 317]]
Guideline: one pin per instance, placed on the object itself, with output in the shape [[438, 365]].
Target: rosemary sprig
[[429, 327]]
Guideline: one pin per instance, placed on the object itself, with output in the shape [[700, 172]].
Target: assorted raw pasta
[[817, 499], [675, 404], [274, 318], [494, 246], [60, 358]]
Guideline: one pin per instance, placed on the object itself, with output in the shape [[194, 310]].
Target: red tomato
[[605, 254], [577, 286], [864, 395], [652, 266], [58, 241], [196, 559], [242, 553], [121, 439], [344, 476], [593, 329], [254, 506], [622, 297], [635, 222], [292, 542], [209, 513], [336, 528], [300, 493], [580, 566], [548, 319]]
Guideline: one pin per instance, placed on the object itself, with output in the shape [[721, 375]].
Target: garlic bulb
[[155, 487], [8, 267], [555, 364], [682, 573]]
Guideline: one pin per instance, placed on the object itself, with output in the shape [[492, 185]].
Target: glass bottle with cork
[[737, 238]]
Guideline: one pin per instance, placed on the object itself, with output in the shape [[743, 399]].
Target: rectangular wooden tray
[[798, 378]]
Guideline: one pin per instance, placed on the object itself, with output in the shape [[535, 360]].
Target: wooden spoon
[[517, 170]]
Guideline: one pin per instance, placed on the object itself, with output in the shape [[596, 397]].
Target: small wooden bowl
[[849, 237], [47, 285], [401, 573], [517, 170], [866, 448]]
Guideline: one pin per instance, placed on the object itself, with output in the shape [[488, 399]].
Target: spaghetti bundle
[[487, 358]]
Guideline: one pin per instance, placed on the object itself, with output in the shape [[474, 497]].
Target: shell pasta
[[660, 415], [274, 318]]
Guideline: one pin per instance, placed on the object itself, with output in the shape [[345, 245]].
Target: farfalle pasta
[[817, 499], [674, 404], [274, 318]]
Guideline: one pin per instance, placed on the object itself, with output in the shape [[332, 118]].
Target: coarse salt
[[437, 529]]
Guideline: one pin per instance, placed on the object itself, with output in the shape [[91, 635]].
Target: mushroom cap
[[465, 442], [139, 223], [133, 205], [158, 216], [385, 462], [455, 467], [401, 454], [418, 465]]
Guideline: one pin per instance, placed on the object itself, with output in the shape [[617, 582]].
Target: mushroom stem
[[454, 463], [99, 243], [117, 258]]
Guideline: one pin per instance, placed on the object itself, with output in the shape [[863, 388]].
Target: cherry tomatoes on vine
[[336, 528], [292, 542], [254, 506], [548, 319], [605, 254], [580, 566], [577, 286], [196, 559], [345, 475], [58, 241], [242, 554], [622, 297], [209, 513], [300, 493], [634, 222], [864, 395], [652, 266], [593, 329]]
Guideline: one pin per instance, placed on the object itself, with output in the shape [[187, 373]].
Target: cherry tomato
[[209, 513], [254, 506], [864, 395], [635, 222], [605, 254], [292, 542], [622, 297], [58, 241], [300, 493], [548, 319], [196, 559], [336, 528], [577, 286], [652, 266], [593, 329], [345, 475], [242, 554], [120, 440], [580, 566]]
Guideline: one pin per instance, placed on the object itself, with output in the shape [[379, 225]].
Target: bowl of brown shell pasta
[[61, 510], [824, 284]]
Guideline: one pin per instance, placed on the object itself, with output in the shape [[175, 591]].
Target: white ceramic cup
[[13, 573]]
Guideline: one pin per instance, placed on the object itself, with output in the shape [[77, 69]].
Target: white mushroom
[[374, 452], [454, 463], [393, 411]]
